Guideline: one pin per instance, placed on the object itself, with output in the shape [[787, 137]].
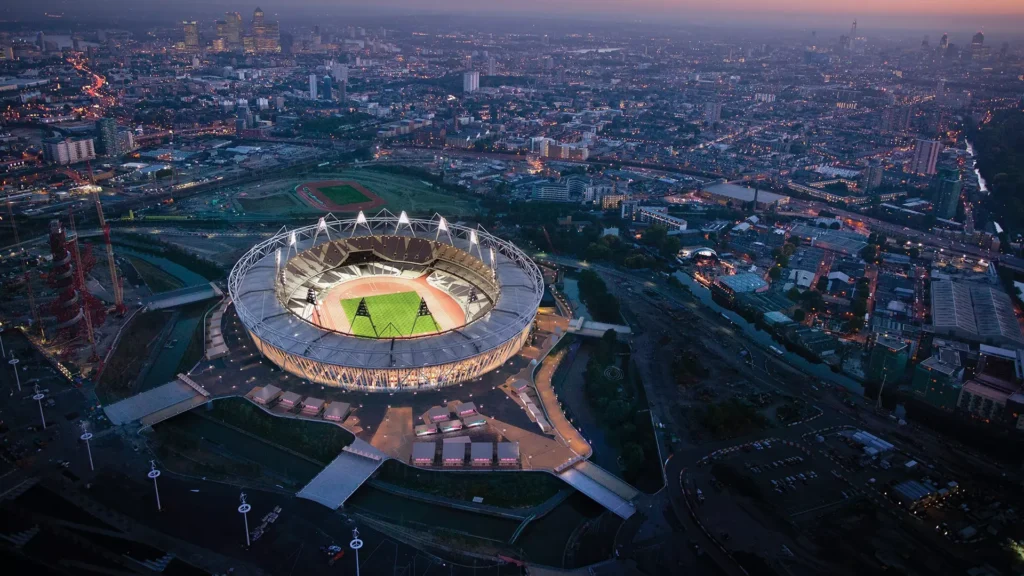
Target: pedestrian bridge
[[183, 296], [596, 329], [156, 405], [344, 475], [602, 487]]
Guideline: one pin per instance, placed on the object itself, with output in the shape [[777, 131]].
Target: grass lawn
[[126, 362], [503, 489], [392, 314], [415, 196], [156, 279], [269, 204], [343, 194], [319, 441]]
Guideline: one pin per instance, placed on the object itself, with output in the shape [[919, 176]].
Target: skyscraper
[[106, 134], [233, 29], [470, 82], [191, 28], [944, 42], [312, 86], [327, 87], [926, 154], [266, 36], [491, 66], [948, 187], [712, 112]]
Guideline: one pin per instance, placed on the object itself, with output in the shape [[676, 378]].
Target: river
[[165, 363], [765, 340]]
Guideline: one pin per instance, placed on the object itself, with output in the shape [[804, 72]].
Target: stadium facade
[[275, 289]]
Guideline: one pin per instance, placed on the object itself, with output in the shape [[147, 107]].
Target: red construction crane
[[24, 272], [80, 273], [115, 280]]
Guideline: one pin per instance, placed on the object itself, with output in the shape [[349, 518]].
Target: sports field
[[343, 194], [393, 315]]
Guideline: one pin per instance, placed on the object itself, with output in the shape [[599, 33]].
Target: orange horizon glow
[[925, 8]]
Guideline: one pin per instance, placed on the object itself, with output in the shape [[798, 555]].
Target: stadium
[[386, 303]]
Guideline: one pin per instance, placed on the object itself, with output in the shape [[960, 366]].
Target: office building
[[948, 187], [712, 112], [233, 29], [65, 151], [551, 192], [339, 71], [328, 94], [659, 215], [312, 86], [938, 380], [888, 360], [125, 140], [491, 66], [191, 28], [926, 155], [470, 82], [266, 36], [106, 134]]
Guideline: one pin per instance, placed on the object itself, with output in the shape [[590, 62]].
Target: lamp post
[[38, 397], [356, 544], [86, 436], [154, 474], [244, 511], [17, 378]]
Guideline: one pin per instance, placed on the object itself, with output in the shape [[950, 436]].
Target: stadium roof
[[253, 280]]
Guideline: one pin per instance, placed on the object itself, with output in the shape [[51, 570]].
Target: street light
[[154, 474], [86, 436], [14, 363], [356, 544], [244, 511], [38, 397]]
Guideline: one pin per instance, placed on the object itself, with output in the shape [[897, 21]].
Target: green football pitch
[[343, 194], [393, 315]]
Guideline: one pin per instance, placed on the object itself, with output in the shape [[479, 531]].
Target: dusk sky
[[931, 15]]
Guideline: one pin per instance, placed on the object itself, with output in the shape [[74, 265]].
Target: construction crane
[[24, 272], [80, 277], [115, 280]]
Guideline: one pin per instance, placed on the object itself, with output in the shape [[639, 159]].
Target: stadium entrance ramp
[[344, 475]]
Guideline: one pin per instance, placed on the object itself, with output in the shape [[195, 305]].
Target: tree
[[859, 307], [775, 273], [632, 456], [822, 285], [799, 315]]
